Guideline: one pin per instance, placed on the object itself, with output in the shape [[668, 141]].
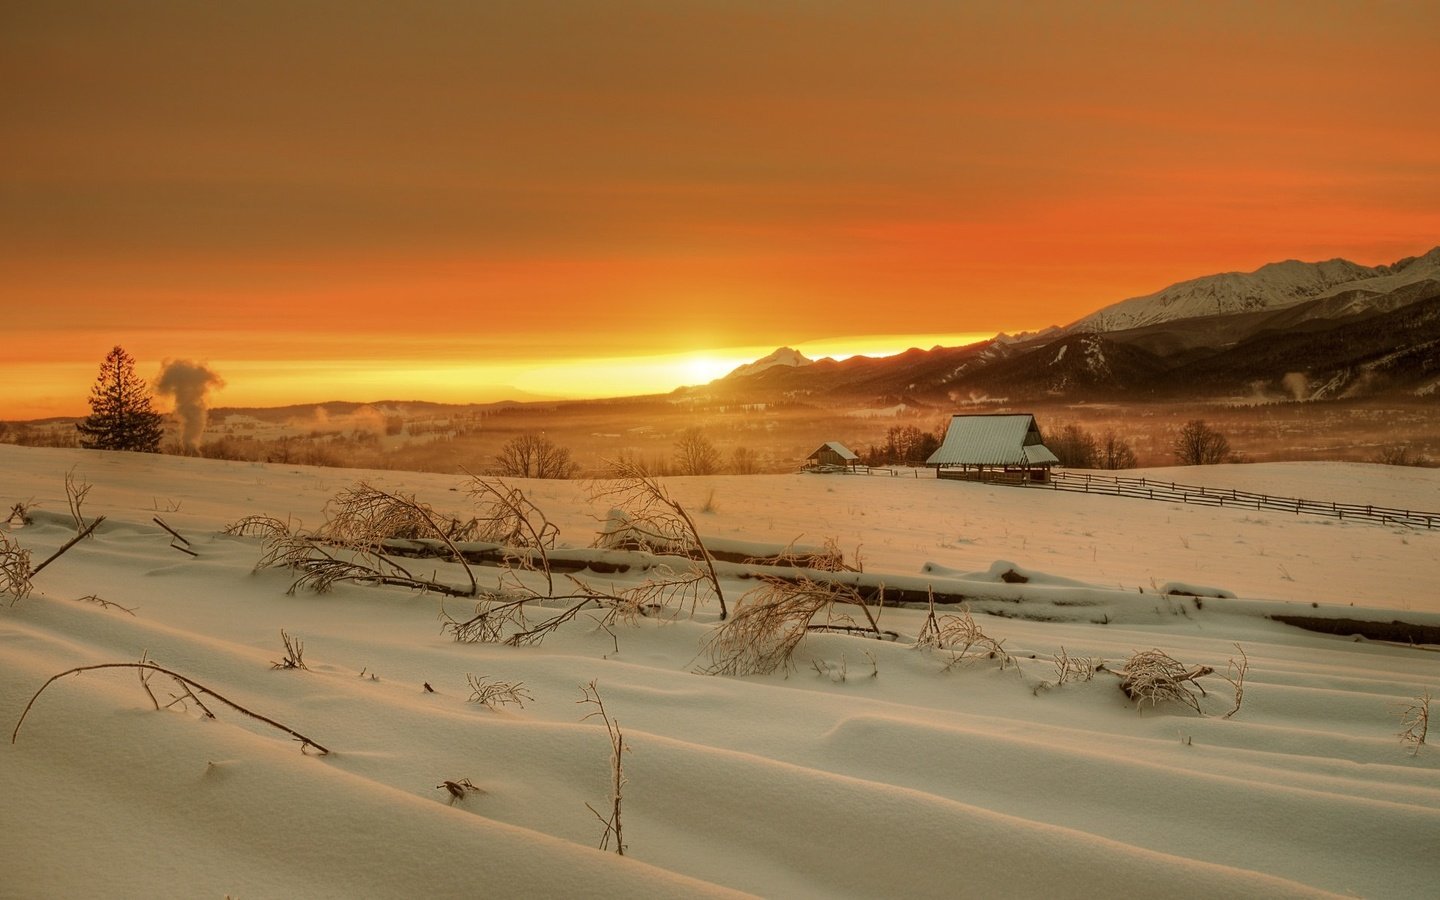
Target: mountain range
[[1289, 330]]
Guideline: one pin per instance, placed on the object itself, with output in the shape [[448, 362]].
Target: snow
[[872, 769]]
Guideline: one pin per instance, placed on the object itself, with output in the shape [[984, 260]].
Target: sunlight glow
[[41, 389]]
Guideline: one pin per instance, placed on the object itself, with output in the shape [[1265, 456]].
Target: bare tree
[[1114, 452], [533, 455], [1074, 447], [745, 461], [1198, 444], [695, 455]]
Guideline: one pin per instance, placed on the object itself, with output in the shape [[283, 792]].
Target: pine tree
[[120, 414]]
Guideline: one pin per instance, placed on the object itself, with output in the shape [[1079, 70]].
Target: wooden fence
[[1150, 489]]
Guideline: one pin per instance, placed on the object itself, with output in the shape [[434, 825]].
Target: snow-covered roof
[[838, 448], [1003, 440]]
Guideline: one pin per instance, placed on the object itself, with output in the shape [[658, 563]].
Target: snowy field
[[869, 769]]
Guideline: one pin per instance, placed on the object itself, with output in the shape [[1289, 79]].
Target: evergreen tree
[[120, 414]]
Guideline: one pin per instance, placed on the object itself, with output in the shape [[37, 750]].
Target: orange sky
[[367, 200]]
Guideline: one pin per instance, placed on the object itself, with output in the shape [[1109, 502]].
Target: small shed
[[833, 455], [1003, 448]]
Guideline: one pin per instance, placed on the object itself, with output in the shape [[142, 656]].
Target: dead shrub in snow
[[294, 653], [20, 514], [1154, 677], [656, 519], [14, 570], [962, 637], [1074, 668], [495, 694], [1415, 722], [771, 620]]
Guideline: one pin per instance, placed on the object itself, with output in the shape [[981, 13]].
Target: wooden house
[[833, 455], [1003, 448]]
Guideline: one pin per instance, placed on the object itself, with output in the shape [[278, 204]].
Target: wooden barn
[[833, 455], [1003, 448]]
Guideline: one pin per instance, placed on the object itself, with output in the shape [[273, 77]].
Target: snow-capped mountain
[[1271, 287], [785, 356], [1288, 330]]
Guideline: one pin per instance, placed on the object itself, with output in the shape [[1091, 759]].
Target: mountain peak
[[785, 356]]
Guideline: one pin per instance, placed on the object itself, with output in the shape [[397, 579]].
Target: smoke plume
[[1297, 384], [189, 383]]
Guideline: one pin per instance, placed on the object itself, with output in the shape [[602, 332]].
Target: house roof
[[837, 447], [1004, 440]]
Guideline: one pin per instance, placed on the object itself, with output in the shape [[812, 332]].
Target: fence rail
[[1150, 489]]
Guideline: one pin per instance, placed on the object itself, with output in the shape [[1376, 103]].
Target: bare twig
[[458, 790], [617, 776], [75, 493], [106, 604], [185, 683], [1235, 674]]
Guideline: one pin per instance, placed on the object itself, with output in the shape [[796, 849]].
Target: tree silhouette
[[1198, 444], [695, 455], [120, 414], [532, 455]]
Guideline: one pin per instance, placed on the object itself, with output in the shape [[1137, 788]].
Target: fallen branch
[[179, 542], [185, 683]]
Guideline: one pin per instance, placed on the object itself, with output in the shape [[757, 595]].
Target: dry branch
[[89, 529], [652, 512], [186, 684]]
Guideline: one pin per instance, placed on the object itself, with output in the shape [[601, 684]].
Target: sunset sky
[[467, 200]]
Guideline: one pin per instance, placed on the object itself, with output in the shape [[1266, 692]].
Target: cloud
[[189, 383]]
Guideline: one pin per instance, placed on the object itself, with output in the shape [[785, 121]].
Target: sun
[[702, 369]]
